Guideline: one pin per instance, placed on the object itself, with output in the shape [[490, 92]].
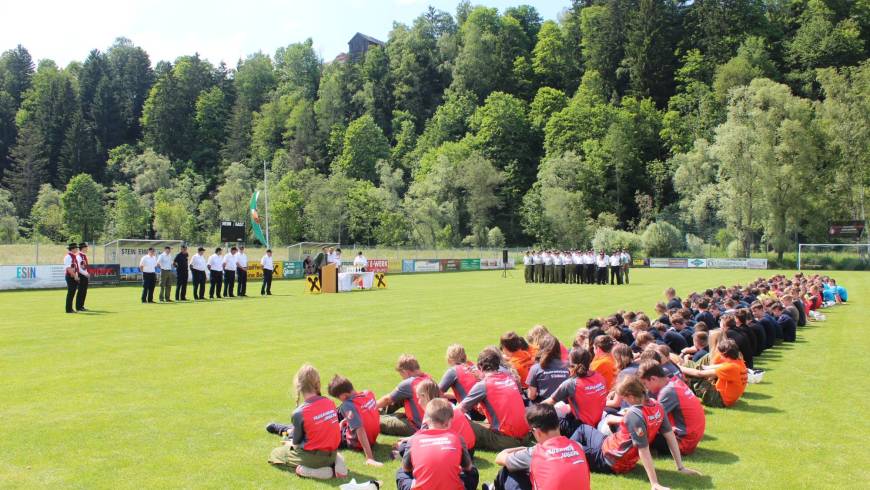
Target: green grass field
[[177, 395]]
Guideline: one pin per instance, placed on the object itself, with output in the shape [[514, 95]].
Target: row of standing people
[[227, 274], [576, 266]]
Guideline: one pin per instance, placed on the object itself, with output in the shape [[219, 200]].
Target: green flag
[[255, 220]]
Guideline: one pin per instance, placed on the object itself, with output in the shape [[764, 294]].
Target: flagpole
[[266, 199]]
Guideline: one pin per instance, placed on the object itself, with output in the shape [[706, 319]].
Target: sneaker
[[316, 473], [488, 486], [340, 466], [279, 429]]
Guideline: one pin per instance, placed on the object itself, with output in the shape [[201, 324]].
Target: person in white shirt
[[336, 259], [548, 267], [601, 268], [148, 266], [216, 273], [615, 262], [242, 271], [558, 268], [528, 266], [361, 262], [588, 267], [626, 264], [577, 259], [197, 269], [268, 270], [230, 265], [71, 266], [538, 259], [164, 261], [84, 277]]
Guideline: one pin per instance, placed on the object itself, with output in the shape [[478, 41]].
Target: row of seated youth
[[629, 385]]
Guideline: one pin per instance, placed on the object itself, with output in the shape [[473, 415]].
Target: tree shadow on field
[[742, 406], [671, 478], [714, 456], [754, 395]]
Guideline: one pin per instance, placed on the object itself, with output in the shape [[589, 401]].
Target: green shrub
[[734, 249], [661, 239], [609, 239], [695, 245]]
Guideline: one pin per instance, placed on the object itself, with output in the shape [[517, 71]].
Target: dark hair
[[150, 249], [542, 416], [232, 249], [631, 386], [594, 333], [703, 304], [489, 360], [604, 342], [268, 250], [217, 250], [728, 348], [580, 360], [167, 248], [200, 249], [513, 342], [650, 368], [548, 350], [622, 355], [339, 386]]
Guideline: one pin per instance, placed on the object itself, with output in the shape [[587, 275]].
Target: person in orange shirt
[[728, 370], [603, 362], [519, 354]]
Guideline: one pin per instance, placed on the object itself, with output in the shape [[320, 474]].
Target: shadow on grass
[[708, 437], [671, 478], [481, 463], [97, 312], [754, 395], [712, 456], [743, 406]]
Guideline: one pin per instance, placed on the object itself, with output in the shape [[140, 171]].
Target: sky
[[227, 30]]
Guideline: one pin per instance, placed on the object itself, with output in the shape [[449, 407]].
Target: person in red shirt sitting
[[404, 424], [555, 463], [585, 392], [311, 443], [460, 376], [643, 421], [436, 458], [427, 391], [685, 413], [502, 402], [360, 422]]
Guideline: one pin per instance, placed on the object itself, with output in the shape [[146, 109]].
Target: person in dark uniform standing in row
[[242, 271], [538, 260], [148, 266], [601, 268], [215, 273], [71, 274], [181, 268], [268, 269], [528, 266], [230, 266], [197, 270], [84, 277], [615, 262]]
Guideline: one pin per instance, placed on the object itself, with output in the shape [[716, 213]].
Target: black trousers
[[602, 275], [512, 480], [71, 288], [149, 282], [229, 283], [242, 274], [215, 281], [82, 293], [198, 284], [589, 272], [615, 274], [267, 282], [181, 285]]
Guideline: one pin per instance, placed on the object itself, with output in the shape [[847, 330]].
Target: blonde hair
[[429, 390], [536, 334], [407, 362], [307, 380], [456, 354], [439, 412]]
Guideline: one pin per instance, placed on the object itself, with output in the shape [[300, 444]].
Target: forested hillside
[[741, 122]]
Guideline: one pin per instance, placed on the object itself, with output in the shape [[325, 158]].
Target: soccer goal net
[[298, 251], [829, 256]]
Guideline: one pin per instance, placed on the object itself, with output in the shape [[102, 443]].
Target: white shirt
[[215, 263], [336, 259], [68, 261], [527, 260], [242, 260], [164, 260], [537, 259], [148, 264], [615, 259], [80, 258], [230, 262], [601, 261], [267, 263], [588, 259], [197, 262], [360, 261]]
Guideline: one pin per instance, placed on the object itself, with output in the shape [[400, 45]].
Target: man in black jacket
[[181, 272]]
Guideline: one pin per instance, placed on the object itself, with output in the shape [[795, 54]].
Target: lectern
[[329, 281]]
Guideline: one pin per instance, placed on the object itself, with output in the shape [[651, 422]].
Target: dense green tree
[[651, 37], [718, 27], [555, 62], [547, 102], [298, 68], [129, 214], [83, 209], [364, 145], [132, 76], [29, 169], [603, 37], [752, 61], [254, 79], [100, 114], [233, 195], [16, 73], [46, 214]]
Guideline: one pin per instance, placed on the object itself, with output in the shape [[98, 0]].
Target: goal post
[[298, 250], [833, 256]]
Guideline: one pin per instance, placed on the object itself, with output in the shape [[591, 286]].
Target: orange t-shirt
[[604, 365], [522, 361], [731, 380]]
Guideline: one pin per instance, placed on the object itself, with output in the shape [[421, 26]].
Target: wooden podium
[[329, 275]]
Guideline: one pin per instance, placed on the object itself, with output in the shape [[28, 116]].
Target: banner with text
[[32, 276], [104, 274]]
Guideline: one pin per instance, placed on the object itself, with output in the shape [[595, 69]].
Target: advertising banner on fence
[[757, 263], [32, 276], [378, 265], [106, 274], [658, 263], [469, 264], [255, 270], [427, 265], [291, 269], [697, 263], [727, 263], [493, 264], [407, 265], [450, 265], [678, 263]]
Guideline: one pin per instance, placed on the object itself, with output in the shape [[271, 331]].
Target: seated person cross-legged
[[727, 369], [405, 394]]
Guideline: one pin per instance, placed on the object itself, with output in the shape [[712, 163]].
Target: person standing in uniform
[[164, 261], [601, 268], [242, 271], [615, 261], [84, 277], [148, 266], [626, 264], [215, 273], [549, 266], [268, 270], [181, 272], [71, 267], [538, 259], [197, 270], [528, 267], [558, 267], [230, 263], [589, 266]]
